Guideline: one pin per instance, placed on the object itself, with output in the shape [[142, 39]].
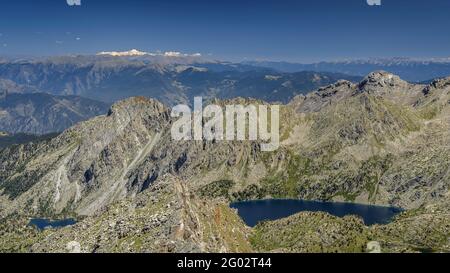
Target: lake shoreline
[[321, 201], [254, 211]]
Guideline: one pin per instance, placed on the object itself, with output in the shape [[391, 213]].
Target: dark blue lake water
[[253, 212], [45, 223]]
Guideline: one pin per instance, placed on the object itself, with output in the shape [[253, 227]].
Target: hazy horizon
[[211, 58]]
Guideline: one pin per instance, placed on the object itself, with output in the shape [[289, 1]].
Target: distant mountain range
[[172, 79], [169, 77], [413, 70], [40, 113], [43, 95]]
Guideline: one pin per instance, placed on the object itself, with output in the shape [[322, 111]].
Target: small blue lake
[[41, 223], [253, 212]]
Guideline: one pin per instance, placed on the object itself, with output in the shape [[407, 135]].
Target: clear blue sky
[[230, 29]]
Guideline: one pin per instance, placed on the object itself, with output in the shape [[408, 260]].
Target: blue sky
[[297, 31]]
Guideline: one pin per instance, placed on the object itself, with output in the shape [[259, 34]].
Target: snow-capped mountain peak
[[133, 52]]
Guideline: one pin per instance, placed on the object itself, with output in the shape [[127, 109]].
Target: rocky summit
[[132, 188]]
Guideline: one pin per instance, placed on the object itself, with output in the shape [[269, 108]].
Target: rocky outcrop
[[420, 230], [380, 81], [316, 101], [311, 232], [438, 84]]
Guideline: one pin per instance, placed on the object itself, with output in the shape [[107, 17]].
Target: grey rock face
[[315, 101], [379, 80]]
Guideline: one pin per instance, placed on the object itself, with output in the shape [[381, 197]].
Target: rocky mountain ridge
[[381, 141], [349, 127]]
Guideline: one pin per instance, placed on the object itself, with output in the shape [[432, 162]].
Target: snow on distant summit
[[179, 54], [135, 52]]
